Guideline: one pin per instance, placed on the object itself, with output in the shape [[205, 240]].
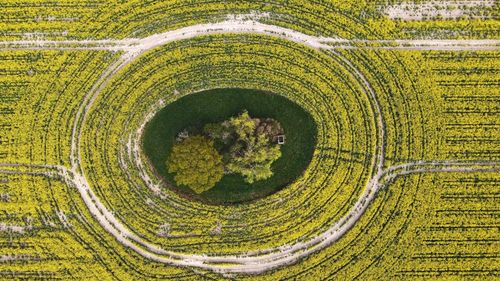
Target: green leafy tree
[[243, 125], [254, 163], [253, 153], [196, 163]]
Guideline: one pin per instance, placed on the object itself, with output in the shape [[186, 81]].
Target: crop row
[[40, 104], [465, 99], [60, 239]]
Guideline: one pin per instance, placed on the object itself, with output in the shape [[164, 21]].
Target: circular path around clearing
[[341, 167]]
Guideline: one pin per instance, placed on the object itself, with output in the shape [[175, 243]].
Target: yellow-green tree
[[196, 163], [253, 153]]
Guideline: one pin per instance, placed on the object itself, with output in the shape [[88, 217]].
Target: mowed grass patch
[[196, 110]]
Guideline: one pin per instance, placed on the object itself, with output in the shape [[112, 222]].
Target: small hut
[[281, 139]]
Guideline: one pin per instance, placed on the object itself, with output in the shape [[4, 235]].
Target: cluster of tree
[[241, 145]]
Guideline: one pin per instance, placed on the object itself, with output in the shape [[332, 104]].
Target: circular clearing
[[196, 110]]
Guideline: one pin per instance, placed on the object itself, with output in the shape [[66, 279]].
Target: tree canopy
[[253, 153], [196, 162]]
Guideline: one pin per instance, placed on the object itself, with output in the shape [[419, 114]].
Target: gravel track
[[137, 45]]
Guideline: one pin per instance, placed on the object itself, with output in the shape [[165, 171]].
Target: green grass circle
[[217, 105]]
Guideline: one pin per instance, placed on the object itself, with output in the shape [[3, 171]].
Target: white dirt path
[[137, 45]]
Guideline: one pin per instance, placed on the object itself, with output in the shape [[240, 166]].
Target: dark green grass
[[196, 110]]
